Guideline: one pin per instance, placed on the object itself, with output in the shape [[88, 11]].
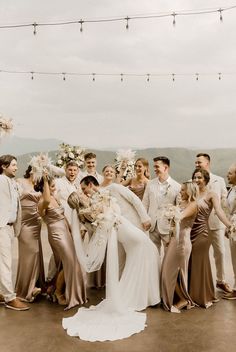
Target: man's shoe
[[2, 300], [16, 304], [231, 295], [224, 287], [36, 291]]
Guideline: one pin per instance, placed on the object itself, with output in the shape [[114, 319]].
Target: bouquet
[[39, 164], [70, 153], [232, 230], [6, 124], [124, 163]]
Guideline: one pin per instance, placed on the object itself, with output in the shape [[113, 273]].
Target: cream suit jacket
[[217, 185], [154, 203], [6, 205]]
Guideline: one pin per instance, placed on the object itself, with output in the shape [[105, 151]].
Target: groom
[[10, 223]]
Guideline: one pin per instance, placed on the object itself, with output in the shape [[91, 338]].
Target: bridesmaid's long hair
[[191, 190], [38, 187], [28, 172], [146, 165]]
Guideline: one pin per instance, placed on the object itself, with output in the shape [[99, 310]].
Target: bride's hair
[[89, 179]]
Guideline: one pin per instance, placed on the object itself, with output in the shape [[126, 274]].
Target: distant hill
[[182, 160], [18, 146]]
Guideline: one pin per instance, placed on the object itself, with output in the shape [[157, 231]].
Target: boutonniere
[[167, 190]]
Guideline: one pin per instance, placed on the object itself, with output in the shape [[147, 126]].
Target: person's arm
[[46, 197], [126, 182], [190, 210], [130, 197], [218, 209]]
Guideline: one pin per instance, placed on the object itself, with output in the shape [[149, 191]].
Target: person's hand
[[146, 225]]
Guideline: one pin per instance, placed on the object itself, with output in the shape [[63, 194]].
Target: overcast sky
[[109, 113]]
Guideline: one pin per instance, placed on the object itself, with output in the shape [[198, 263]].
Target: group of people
[[146, 241]]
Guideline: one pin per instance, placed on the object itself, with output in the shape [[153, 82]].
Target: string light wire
[[126, 19]]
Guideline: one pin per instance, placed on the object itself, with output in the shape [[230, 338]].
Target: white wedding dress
[[116, 317]]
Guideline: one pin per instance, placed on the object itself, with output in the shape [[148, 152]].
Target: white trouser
[[233, 257], [217, 240], [6, 244]]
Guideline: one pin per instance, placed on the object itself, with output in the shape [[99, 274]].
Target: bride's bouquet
[[6, 124], [39, 164], [102, 208]]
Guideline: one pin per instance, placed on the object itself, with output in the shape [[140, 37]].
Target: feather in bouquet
[[68, 153], [39, 163], [124, 162]]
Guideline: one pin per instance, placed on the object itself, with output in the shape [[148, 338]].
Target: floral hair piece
[[68, 153], [39, 164], [125, 159]]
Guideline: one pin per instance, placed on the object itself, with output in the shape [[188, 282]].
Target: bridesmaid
[[30, 272], [62, 245], [138, 183], [201, 287], [174, 274]]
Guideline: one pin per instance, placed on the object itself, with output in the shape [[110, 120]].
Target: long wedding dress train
[[116, 317]]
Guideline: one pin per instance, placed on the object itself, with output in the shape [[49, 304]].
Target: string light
[[127, 19], [146, 76], [174, 21]]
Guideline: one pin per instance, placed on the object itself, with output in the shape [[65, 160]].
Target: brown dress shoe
[[230, 296], [16, 304], [224, 287]]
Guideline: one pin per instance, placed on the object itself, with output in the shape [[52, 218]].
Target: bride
[[116, 317]]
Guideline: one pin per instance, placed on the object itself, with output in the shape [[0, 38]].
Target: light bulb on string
[[93, 74], [221, 17], [121, 77], [148, 77], [174, 21], [219, 76], [32, 75], [64, 76], [197, 76], [81, 22], [173, 77], [35, 28], [127, 22]]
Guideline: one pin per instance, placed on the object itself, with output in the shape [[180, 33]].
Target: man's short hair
[[205, 155], [90, 156], [89, 179], [72, 163], [164, 159], [5, 160]]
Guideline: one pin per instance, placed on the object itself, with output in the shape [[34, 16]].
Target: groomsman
[[10, 223], [216, 227], [160, 192], [231, 202], [90, 160], [66, 185]]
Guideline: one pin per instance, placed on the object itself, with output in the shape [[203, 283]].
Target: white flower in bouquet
[[124, 161], [70, 153]]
